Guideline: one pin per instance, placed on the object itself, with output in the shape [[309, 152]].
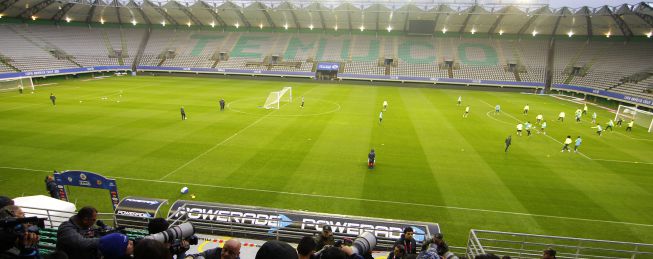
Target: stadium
[[509, 127]]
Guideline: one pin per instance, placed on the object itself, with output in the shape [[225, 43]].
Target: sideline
[[363, 199]]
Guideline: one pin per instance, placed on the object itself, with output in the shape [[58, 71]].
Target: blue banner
[[604, 93], [86, 179], [329, 66], [63, 71], [228, 71]]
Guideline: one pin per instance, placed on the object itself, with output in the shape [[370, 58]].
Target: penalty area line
[[363, 199]]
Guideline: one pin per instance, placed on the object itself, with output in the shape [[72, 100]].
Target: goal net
[[275, 98], [16, 83], [640, 117]]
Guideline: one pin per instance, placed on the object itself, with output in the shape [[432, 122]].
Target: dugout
[[327, 71]]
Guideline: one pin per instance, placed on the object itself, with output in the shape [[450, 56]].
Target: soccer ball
[[184, 190]]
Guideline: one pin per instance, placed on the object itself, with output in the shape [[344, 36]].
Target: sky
[[590, 3]]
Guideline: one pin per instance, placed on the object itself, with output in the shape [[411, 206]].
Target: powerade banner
[[329, 66], [137, 211], [613, 95], [86, 179], [272, 221], [62, 71]]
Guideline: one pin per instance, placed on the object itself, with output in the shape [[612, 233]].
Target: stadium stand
[[25, 53]]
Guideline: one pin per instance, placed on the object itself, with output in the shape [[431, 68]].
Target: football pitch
[[432, 164]]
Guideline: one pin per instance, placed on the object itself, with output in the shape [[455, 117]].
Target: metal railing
[[518, 245]]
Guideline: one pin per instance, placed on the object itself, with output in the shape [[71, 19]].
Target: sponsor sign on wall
[[271, 221]]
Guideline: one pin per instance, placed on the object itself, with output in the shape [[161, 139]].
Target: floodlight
[[102, 20], [648, 35], [237, 25], [362, 28], [188, 24], [444, 30], [212, 24], [33, 18], [68, 19], [473, 31], [534, 33], [607, 35], [500, 32], [570, 33], [163, 23], [336, 28], [389, 28], [134, 22], [285, 26], [310, 27], [0, 16]]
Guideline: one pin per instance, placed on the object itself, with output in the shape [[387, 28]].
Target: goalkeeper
[[371, 157]]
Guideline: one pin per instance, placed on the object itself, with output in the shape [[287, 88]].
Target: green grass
[[433, 165]]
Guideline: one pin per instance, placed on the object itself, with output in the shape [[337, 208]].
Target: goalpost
[[16, 83], [275, 98], [641, 118]]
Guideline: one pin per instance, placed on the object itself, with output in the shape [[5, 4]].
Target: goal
[[641, 118], [275, 98], [15, 83]]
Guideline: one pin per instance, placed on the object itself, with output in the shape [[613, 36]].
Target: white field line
[[535, 128], [608, 109], [222, 142], [363, 199], [619, 161], [488, 114], [213, 147]]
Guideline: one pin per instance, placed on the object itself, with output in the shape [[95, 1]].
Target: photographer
[[179, 247], [17, 240], [76, 238], [325, 238], [361, 248]]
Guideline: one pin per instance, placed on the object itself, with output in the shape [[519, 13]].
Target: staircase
[[141, 49]]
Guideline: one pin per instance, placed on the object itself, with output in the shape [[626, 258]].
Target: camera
[[175, 235], [12, 229], [103, 229], [363, 243]]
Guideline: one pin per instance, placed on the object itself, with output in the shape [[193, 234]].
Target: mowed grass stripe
[[143, 138]]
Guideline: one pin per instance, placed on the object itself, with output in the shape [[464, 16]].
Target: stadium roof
[[510, 17]]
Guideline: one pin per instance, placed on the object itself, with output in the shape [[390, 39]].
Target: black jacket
[[410, 245], [72, 239]]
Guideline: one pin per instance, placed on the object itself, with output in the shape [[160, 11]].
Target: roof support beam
[[240, 14], [264, 9], [625, 30], [406, 20], [162, 12], [4, 5], [437, 17], [215, 15], [531, 21], [469, 16], [35, 9], [118, 11], [647, 18], [140, 11], [351, 27], [189, 14], [91, 12], [588, 20], [294, 17], [62, 12], [497, 22], [378, 16], [561, 14], [319, 11]]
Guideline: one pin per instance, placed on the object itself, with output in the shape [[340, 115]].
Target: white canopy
[[54, 210]]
